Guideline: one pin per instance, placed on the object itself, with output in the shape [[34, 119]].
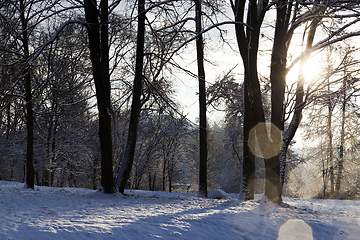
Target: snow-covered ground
[[72, 213]]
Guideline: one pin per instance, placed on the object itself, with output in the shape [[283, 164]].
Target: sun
[[311, 70]]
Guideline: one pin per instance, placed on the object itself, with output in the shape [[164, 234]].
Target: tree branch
[[57, 34]]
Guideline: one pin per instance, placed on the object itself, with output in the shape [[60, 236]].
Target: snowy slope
[[71, 213]]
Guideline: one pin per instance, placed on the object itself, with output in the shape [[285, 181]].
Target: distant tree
[[21, 19], [159, 151], [59, 87], [155, 91], [228, 93], [11, 99], [330, 117]]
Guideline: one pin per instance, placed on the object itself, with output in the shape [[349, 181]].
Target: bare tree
[[202, 102], [99, 55], [129, 151], [21, 18], [334, 105], [289, 16]]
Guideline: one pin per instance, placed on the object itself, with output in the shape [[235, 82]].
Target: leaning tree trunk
[[202, 103], [129, 151], [275, 166]]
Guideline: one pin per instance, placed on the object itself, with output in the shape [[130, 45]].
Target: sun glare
[[311, 69]]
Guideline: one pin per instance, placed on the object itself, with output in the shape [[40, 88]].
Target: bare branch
[[56, 35]]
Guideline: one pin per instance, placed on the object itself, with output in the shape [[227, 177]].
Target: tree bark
[[248, 158], [202, 103], [129, 152], [28, 98], [273, 186], [275, 166], [330, 143], [248, 41], [342, 143], [99, 55]]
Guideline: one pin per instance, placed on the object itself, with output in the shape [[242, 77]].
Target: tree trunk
[[8, 119], [50, 141], [330, 144], [170, 178], [202, 103], [99, 55], [107, 179], [129, 151], [247, 190], [94, 173], [275, 166], [248, 41], [342, 144], [30, 133], [164, 174], [277, 78], [149, 181], [28, 97], [324, 172]]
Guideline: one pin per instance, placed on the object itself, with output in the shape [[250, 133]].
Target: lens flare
[[265, 140], [295, 229]]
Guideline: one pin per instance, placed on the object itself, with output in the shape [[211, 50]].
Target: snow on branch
[[56, 35], [156, 5], [322, 44]]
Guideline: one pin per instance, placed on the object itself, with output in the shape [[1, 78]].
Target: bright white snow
[[71, 213], [218, 194]]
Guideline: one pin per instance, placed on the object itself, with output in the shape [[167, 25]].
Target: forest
[[93, 95]]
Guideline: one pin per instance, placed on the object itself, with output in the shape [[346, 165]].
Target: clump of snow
[[72, 213], [218, 194]]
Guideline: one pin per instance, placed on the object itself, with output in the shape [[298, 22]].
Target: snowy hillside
[[71, 213]]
